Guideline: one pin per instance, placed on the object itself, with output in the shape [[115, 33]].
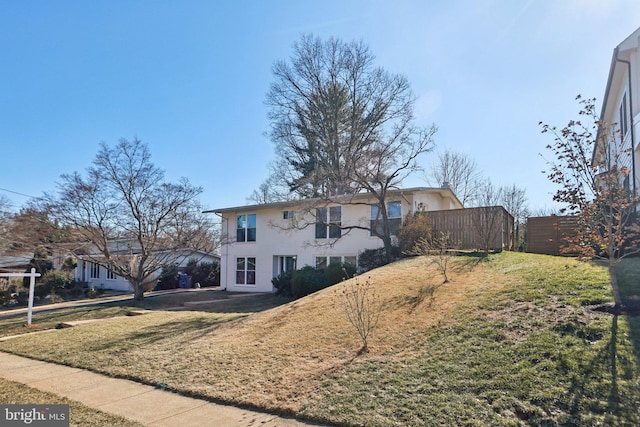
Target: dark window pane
[[251, 234], [394, 226], [394, 210], [251, 277], [335, 214], [251, 221], [335, 231], [321, 231], [240, 277], [351, 260], [375, 211], [241, 235], [335, 260], [321, 262], [251, 264], [321, 215]]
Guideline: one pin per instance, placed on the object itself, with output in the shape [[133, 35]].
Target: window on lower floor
[[94, 270], [110, 274], [286, 263], [246, 271], [324, 261]]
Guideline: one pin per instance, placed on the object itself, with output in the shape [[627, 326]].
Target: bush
[[22, 298], [168, 277], [336, 273], [416, 227], [5, 297], [307, 280], [282, 283], [206, 273], [374, 258]]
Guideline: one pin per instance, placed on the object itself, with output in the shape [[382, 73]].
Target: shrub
[[306, 281], [22, 298], [91, 293], [416, 227], [374, 258], [206, 273], [168, 277], [336, 272], [282, 283]]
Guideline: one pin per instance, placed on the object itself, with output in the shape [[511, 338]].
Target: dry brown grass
[[275, 359], [504, 336]]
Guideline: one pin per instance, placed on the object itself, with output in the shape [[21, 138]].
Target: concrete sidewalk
[[145, 404]]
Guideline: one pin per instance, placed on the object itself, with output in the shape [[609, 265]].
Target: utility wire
[[19, 194]]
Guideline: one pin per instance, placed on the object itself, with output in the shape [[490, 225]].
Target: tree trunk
[[613, 276], [388, 249], [138, 294]]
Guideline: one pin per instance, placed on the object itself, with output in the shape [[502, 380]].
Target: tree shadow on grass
[[604, 371]]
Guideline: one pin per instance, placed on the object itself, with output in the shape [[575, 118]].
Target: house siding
[[624, 81], [277, 237]]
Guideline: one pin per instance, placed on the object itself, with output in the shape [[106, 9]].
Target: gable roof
[[443, 192]]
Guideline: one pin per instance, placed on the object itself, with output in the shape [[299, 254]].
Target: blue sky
[[189, 78]]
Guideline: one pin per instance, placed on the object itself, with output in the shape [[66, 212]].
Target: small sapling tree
[[591, 168], [362, 308]]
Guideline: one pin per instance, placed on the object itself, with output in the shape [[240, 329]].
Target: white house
[[99, 276], [261, 241], [621, 104]]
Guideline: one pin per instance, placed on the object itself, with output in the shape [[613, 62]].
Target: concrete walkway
[[101, 300], [145, 404]]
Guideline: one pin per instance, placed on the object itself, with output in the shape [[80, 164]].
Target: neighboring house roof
[[13, 263], [444, 192]]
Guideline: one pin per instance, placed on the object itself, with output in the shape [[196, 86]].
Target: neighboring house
[[15, 264], [261, 241], [621, 105], [97, 275]]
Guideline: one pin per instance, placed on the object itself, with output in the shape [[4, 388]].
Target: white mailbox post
[[32, 286]]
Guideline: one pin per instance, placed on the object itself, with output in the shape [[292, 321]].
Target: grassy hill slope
[[508, 341]]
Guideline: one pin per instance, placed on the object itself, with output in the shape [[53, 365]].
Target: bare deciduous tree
[[514, 200], [591, 170], [437, 247], [133, 220], [457, 170], [340, 125], [362, 307]]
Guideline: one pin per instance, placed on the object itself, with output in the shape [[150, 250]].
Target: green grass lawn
[[510, 340]]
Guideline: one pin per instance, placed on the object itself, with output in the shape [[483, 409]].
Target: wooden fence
[[481, 228], [547, 234]]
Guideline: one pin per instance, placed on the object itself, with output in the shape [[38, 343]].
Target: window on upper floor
[[110, 274], [246, 228], [246, 271], [288, 215], [329, 226], [624, 118], [394, 213]]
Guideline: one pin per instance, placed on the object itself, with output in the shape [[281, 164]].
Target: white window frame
[[327, 259], [94, 270], [242, 224], [246, 272]]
